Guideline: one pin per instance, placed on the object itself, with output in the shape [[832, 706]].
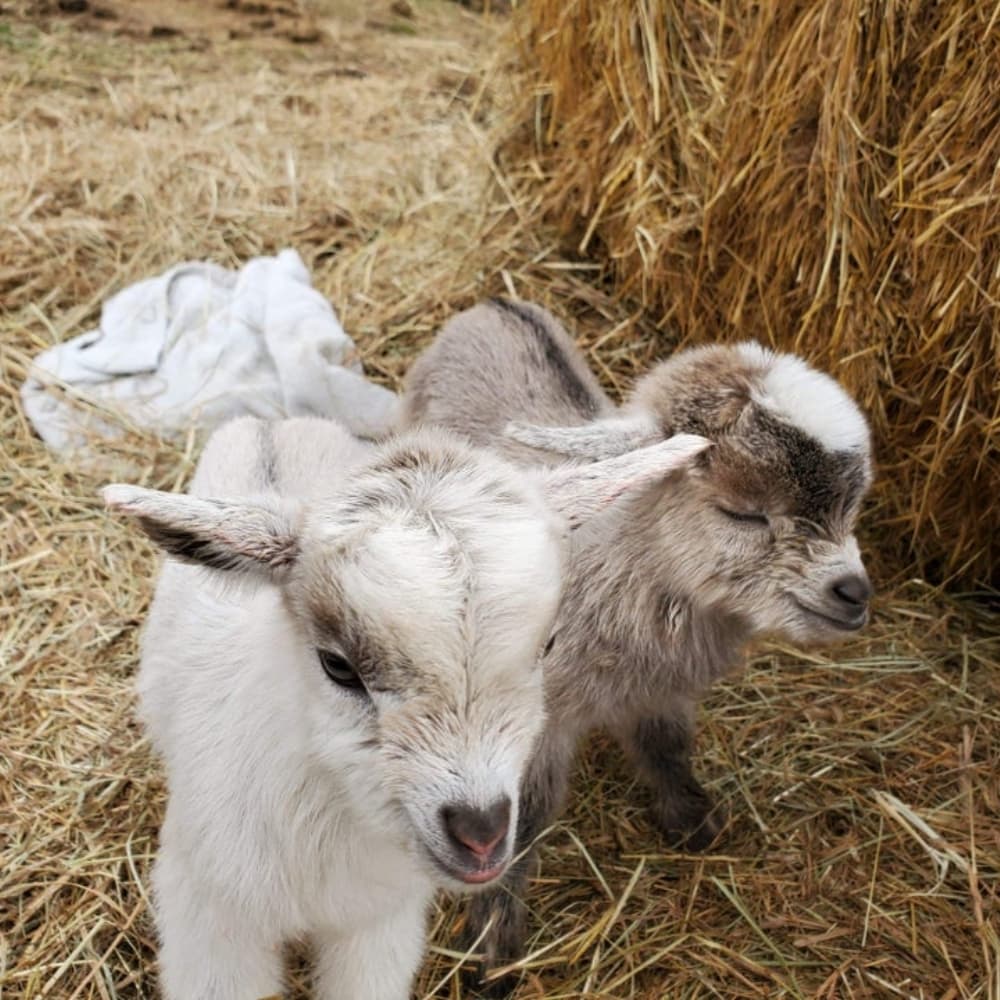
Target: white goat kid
[[347, 698]]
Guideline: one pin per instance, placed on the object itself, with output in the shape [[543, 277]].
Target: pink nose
[[478, 830]]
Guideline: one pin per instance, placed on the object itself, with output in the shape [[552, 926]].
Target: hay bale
[[369, 152], [820, 176]]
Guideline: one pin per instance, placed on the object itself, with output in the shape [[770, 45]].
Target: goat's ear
[[245, 536], [579, 492], [595, 440]]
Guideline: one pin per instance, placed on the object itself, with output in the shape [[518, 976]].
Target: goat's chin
[[455, 878], [811, 627]]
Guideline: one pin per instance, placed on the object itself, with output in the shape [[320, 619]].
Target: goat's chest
[[345, 875], [348, 895]]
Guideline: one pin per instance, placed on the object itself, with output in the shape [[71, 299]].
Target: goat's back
[[497, 362], [303, 457]]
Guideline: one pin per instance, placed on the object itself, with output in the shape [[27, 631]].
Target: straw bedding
[[820, 176], [862, 855]]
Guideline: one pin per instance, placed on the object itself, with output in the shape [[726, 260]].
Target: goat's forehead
[[411, 600], [800, 395], [430, 469], [781, 468]]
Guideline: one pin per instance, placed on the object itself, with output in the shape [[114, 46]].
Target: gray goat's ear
[[595, 440], [579, 492], [240, 535]]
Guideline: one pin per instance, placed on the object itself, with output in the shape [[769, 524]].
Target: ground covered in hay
[[863, 855]]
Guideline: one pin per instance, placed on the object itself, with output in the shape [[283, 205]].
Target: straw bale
[[862, 857], [823, 177]]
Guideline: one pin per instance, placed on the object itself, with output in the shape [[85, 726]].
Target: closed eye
[[760, 520]]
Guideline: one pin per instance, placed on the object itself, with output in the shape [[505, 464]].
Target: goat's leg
[[207, 950], [378, 961], [661, 747], [496, 924]]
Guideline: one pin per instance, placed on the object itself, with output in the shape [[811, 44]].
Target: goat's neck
[[634, 603]]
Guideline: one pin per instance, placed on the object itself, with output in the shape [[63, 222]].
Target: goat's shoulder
[[213, 655]]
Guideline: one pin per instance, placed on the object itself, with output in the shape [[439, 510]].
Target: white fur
[[299, 809], [807, 398], [261, 844], [599, 439], [625, 472]]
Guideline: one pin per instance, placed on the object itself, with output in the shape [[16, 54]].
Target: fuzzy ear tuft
[[579, 492], [598, 439], [246, 536]]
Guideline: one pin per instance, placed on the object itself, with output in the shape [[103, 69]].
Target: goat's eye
[[339, 670], [760, 520]]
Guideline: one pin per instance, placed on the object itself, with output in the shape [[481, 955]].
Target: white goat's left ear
[[579, 492], [236, 535], [597, 439]]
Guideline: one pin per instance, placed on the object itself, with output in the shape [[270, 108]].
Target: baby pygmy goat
[[340, 670], [664, 590]]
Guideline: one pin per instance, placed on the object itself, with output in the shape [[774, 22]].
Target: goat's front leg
[[378, 961], [207, 950], [661, 747], [496, 925]]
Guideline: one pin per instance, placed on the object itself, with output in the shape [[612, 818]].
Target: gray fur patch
[[554, 358], [268, 464]]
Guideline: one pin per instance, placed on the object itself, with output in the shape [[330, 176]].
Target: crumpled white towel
[[198, 345]]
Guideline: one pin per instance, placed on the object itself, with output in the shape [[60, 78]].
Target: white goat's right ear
[[579, 492], [240, 535], [596, 440]]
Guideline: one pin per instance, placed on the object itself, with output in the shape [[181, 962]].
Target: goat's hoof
[[691, 824], [477, 985], [494, 931]]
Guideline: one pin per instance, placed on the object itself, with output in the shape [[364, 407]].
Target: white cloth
[[198, 345]]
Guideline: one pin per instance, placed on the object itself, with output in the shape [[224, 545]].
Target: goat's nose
[[477, 830], [854, 590]]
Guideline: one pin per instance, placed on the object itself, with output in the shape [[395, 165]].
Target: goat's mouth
[[468, 876], [839, 624]]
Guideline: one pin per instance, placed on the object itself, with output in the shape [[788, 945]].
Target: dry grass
[[819, 176], [864, 854]]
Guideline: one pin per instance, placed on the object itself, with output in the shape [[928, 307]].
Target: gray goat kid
[[665, 590], [345, 689]]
